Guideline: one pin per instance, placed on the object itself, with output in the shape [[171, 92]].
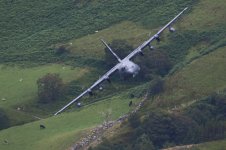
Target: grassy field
[[91, 46], [198, 79], [30, 30], [23, 89], [198, 20], [18, 87], [215, 145], [61, 131]]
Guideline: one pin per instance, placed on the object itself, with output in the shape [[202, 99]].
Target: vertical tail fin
[[111, 50]]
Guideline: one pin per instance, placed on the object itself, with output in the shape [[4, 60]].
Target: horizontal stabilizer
[[111, 50]]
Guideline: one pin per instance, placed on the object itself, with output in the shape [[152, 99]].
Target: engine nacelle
[[172, 29], [141, 53], [157, 38], [108, 80], [90, 92]]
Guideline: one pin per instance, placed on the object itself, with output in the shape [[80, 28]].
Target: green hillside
[[216, 145], [18, 85], [202, 76], [200, 73], [61, 131], [183, 89], [197, 79], [32, 32]]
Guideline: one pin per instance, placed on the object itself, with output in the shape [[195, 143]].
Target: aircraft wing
[[156, 36], [100, 80], [116, 67]]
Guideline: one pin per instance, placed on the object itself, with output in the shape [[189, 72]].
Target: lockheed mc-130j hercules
[[125, 65]]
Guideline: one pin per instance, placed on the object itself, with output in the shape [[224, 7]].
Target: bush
[[143, 143], [50, 88], [4, 120], [156, 86], [62, 49], [134, 120], [154, 62], [165, 128], [219, 101], [209, 114]]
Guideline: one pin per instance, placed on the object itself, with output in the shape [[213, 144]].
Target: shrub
[[156, 86], [4, 120], [163, 128], [50, 88], [134, 120], [143, 143], [156, 62], [62, 49]]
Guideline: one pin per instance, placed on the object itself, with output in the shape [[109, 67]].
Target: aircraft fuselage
[[129, 67]]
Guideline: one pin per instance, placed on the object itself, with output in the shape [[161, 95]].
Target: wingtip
[[185, 8], [102, 40], [56, 113]]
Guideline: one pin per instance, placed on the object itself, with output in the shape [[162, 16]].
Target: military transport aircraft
[[125, 65]]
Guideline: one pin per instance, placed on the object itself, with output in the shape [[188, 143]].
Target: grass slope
[[30, 29], [18, 87], [22, 85], [198, 79], [198, 21], [91, 46], [198, 18], [215, 145], [64, 129], [203, 70]]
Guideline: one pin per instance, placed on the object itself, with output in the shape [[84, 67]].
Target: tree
[[134, 120], [156, 62], [163, 128], [62, 49], [4, 120], [120, 47], [50, 88], [156, 86], [144, 143]]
